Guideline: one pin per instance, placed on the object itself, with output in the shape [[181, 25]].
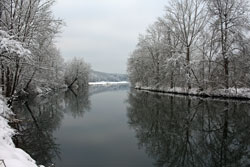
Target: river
[[114, 126]]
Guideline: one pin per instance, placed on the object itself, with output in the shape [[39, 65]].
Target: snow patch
[[240, 93], [108, 83], [12, 157]]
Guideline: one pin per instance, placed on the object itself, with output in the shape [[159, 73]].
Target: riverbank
[[108, 83], [10, 156], [231, 93]]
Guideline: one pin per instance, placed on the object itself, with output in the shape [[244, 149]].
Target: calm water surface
[[118, 127]]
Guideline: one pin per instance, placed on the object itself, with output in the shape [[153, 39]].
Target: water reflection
[[95, 89], [179, 131], [77, 102], [41, 116]]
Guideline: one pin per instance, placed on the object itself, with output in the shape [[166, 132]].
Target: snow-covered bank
[[108, 83], [12, 156], [231, 93]]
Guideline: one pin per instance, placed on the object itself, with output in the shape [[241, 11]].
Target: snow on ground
[[108, 83], [241, 93], [12, 156]]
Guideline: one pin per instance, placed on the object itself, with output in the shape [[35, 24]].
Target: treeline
[[197, 44], [29, 59]]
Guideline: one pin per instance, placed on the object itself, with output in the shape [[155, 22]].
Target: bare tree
[[230, 20], [188, 18]]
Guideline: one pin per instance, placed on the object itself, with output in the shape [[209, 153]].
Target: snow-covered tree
[[188, 18], [12, 54], [31, 27], [198, 43], [230, 20], [77, 73]]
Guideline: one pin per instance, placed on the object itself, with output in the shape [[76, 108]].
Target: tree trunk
[[2, 76], [188, 67], [15, 78], [172, 80], [72, 83], [158, 74], [226, 71], [203, 70], [8, 87], [224, 41], [31, 78], [8, 84]]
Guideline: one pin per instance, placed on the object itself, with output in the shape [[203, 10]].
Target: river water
[[113, 126]]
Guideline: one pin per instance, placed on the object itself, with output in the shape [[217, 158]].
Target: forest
[[197, 44], [29, 58]]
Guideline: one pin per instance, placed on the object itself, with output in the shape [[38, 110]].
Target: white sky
[[104, 32]]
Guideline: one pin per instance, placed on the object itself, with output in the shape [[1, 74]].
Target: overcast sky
[[104, 32]]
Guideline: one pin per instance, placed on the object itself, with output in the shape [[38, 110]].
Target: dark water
[[118, 127]]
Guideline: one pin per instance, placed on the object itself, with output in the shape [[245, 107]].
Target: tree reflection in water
[[40, 117], [180, 131], [77, 102]]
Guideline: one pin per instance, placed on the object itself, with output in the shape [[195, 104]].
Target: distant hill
[[96, 76]]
